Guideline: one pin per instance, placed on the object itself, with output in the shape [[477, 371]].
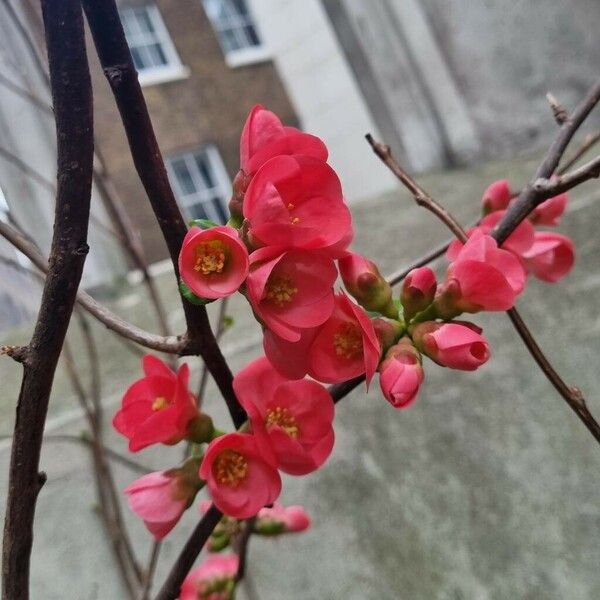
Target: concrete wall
[[505, 56]]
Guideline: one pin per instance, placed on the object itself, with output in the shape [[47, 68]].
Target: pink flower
[[213, 262], [281, 519], [291, 290], [239, 478], [296, 202], [418, 291], [482, 277], [264, 137], [401, 374], [345, 346], [551, 257], [214, 579], [290, 359], [364, 282], [518, 242], [455, 345], [550, 211], [290, 419], [157, 409], [496, 197], [160, 498]]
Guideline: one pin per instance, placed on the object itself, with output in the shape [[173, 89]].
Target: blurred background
[[488, 487]]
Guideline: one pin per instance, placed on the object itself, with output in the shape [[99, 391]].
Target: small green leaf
[[227, 322], [202, 223], [191, 297]]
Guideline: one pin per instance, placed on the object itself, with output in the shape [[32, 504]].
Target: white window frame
[[243, 56], [202, 195], [171, 71]]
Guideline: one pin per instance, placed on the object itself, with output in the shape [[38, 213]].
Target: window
[[201, 184], [151, 47], [236, 31]]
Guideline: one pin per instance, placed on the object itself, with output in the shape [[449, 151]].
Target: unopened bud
[[387, 332], [200, 429], [236, 204], [418, 291], [363, 280], [496, 197]]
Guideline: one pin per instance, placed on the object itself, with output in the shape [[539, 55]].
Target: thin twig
[[189, 553], [72, 99], [243, 544], [530, 197], [589, 142], [149, 576], [171, 344]]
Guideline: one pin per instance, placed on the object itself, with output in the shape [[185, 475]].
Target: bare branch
[[191, 550], [530, 197], [589, 142], [72, 98]]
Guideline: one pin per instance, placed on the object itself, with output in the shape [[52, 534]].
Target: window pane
[[196, 211], [233, 24], [138, 61], [207, 176], [218, 207], [183, 176], [157, 56], [143, 20]]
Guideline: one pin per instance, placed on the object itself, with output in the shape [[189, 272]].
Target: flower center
[[293, 220], [280, 290], [230, 467], [347, 341], [159, 403], [210, 258], [284, 419]]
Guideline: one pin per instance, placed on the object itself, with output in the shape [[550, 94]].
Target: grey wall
[[505, 56]]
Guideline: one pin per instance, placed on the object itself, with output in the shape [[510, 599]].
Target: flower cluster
[[284, 248]]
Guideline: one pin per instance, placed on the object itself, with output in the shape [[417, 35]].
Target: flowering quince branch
[[589, 142], [536, 248]]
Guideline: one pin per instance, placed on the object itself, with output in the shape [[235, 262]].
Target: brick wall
[[209, 106]]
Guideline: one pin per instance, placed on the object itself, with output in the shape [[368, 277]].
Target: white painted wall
[[323, 90]]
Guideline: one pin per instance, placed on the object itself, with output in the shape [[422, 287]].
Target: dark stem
[[191, 550], [72, 100], [243, 544], [114, 55], [530, 197]]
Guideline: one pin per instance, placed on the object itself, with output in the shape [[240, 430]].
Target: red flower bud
[[365, 283], [418, 291]]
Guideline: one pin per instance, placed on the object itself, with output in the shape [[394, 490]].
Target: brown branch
[[421, 197], [573, 398], [72, 99], [589, 142], [191, 550], [243, 544], [530, 197], [115, 57], [572, 395], [149, 575], [548, 188], [170, 344]]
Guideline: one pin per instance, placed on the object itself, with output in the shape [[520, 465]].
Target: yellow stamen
[[284, 418], [210, 258], [347, 342], [160, 403], [294, 220], [230, 468], [280, 290]]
